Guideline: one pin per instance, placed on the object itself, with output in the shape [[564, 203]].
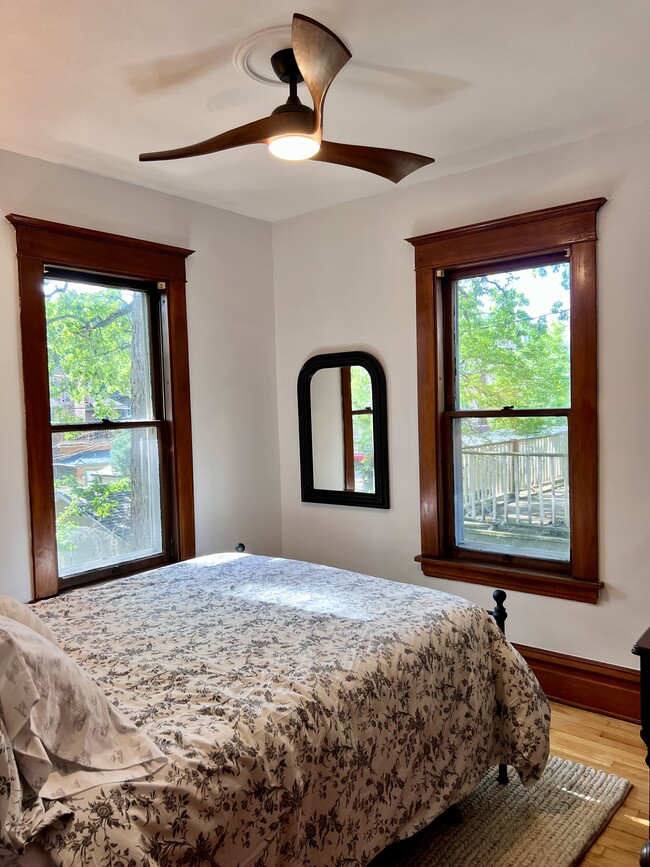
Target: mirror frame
[[380, 498]]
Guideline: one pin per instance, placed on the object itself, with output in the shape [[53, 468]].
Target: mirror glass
[[342, 413]]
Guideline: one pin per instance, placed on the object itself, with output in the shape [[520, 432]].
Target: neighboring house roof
[[118, 521], [83, 459]]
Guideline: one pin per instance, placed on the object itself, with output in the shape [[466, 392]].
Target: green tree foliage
[[362, 425], [121, 450], [89, 346], [508, 357]]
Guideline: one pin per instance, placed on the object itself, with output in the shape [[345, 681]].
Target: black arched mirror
[[343, 430]]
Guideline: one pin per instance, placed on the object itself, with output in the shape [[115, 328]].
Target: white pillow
[[24, 614], [65, 734]]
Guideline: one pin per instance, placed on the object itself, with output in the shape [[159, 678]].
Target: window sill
[[507, 578]]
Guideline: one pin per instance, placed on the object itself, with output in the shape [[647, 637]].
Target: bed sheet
[[311, 716]]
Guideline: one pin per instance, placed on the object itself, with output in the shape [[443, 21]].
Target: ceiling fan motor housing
[[285, 66]]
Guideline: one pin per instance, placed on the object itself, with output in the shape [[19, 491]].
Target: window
[[358, 434], [507, 402], [105, 371]]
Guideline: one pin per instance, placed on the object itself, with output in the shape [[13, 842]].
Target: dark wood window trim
[[568, 229], [40, 243]]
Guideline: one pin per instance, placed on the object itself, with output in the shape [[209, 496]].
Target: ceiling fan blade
[[155, 75], [390, 164], [257, 132], [320, 56]]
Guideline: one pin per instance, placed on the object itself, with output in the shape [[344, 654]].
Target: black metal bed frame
[[500, 614], [453, 814]]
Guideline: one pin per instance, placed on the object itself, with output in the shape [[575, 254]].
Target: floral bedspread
[[311, 716]]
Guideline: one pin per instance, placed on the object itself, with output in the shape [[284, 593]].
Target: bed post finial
[[500, 612], [240, 547]]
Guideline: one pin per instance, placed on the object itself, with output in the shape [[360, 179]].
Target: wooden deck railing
[[521, 481]]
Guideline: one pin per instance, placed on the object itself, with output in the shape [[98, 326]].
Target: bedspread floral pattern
[[311, 716]]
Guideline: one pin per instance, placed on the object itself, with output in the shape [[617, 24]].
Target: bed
[[291, 714]]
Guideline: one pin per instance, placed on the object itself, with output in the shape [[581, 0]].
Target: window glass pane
[[513, 333], [99, 361], [512, 486], [107, 498], [361, 387], [364, 454]]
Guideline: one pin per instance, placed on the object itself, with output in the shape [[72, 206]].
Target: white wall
[[327, 429], [232, 352], [344, 280]]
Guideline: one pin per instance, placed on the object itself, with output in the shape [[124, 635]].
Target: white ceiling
[[92, 83]]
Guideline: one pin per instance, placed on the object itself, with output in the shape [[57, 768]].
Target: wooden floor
[[613, 746]]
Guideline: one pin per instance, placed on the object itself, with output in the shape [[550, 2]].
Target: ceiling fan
[[294, 131]]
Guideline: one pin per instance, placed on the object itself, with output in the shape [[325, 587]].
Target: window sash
[[451, 317], [131, 525], [153, 335], [511, 490]]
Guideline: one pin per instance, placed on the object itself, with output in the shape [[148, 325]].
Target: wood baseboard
[[608, 689]]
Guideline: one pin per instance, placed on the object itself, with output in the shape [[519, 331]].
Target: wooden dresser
[[642, 650]]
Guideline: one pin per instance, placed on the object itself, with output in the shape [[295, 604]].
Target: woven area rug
[[553, 822]]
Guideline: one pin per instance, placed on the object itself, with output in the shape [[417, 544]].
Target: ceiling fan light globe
[[294, 147]]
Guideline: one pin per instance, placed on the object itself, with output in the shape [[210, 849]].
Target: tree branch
[[112, 317]]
